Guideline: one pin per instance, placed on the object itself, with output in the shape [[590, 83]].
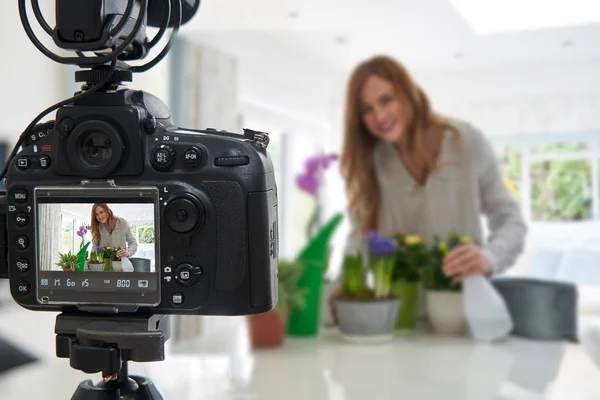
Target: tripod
[[101, 343]]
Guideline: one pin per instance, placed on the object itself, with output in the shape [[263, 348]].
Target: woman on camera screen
[[109, 230]]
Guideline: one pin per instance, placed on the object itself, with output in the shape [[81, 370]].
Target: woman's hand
[[465, 261], [122, 253]]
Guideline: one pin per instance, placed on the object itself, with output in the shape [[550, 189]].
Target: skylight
[[499, 16]]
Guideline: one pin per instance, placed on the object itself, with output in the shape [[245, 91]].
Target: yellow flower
[[411, 240], [465, 239]]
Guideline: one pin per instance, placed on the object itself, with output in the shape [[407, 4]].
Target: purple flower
[[100, 249], [308, 183], [319, 161], [379, 245]]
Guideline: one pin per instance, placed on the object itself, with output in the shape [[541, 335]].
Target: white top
[[466, 186]]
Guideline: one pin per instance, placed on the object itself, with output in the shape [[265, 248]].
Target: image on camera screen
[[97, 252]]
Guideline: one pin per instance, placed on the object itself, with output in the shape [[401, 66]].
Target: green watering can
[[81, 257], [305, 322]]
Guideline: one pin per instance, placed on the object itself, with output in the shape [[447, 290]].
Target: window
[[560, 190], [553, 182]]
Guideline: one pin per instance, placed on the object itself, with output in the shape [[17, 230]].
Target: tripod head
[[105, 343]]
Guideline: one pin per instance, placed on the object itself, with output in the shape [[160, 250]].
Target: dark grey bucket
[[376, 318]]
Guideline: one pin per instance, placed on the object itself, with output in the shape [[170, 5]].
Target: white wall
[[30, 81], [521, 99]]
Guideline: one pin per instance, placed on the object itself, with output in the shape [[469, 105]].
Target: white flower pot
[[96, 267], [446, 313], [116, 266]]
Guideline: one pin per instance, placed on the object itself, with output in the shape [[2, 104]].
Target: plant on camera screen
[[83, 230]]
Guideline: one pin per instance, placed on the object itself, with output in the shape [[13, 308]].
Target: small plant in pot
[[96, 262], [412, 255], [109, 254], [116, 261], [268, 329], [68, 261], [444, 300], [368, 314]]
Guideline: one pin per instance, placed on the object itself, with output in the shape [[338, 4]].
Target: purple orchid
[[307, 183]]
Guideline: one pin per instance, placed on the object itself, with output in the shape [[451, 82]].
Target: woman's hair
[[357, 155], [111, 222]]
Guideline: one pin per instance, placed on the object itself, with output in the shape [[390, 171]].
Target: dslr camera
[[197, 208]]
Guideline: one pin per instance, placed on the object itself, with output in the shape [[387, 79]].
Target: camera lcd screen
[[97, 247]]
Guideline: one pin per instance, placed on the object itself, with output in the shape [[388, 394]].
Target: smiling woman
[[409, 169], [109, 230]]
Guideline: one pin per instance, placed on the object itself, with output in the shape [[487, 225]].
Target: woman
[[409, 169], [111, 231]]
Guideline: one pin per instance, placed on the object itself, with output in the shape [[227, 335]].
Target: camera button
[[23, 163], [182, 215], [21, 219], [44, 162], [20, 196], [184, 275], [177, 299], [23, 288], [22, 242], [192, 157], [163, 157], [23, 265]]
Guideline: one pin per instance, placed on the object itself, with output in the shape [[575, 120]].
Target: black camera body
[[210, 199]]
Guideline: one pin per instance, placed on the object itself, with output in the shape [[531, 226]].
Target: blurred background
[[525, 72]]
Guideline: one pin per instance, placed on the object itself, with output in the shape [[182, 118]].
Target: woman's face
[[101, 215], [381, 110]]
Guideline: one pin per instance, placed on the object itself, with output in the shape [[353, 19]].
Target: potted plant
[[96, 262], [412, 254], [363, 313], [68, 261], [268, 329], [116, 261], [315, 254], [444, 302], [83, 246], [109, 253]]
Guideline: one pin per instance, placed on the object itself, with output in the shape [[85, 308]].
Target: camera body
[[208, 199]]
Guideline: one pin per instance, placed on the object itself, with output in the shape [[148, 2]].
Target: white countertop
[[222, 366]]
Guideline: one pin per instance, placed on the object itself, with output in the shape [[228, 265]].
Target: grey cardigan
[[120, 236], [466, 186]]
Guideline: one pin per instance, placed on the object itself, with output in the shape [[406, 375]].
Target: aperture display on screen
[[101, 250]]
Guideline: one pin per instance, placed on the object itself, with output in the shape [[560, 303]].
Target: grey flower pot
[[367, 321]]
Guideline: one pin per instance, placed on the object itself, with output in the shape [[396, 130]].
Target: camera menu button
[[20, 196]]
